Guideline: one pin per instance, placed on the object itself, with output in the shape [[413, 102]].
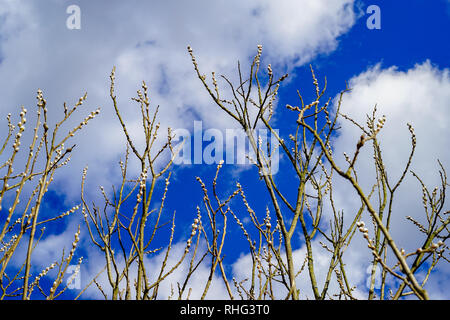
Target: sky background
[[402, 67]]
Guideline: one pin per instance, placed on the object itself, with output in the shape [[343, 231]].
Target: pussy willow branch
[[302, 160]]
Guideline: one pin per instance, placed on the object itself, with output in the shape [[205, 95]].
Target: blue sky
[[402, 67]]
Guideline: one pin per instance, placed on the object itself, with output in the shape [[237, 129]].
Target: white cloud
[[147, 41]]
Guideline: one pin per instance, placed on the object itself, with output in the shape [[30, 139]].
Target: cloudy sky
[[401, 67]]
